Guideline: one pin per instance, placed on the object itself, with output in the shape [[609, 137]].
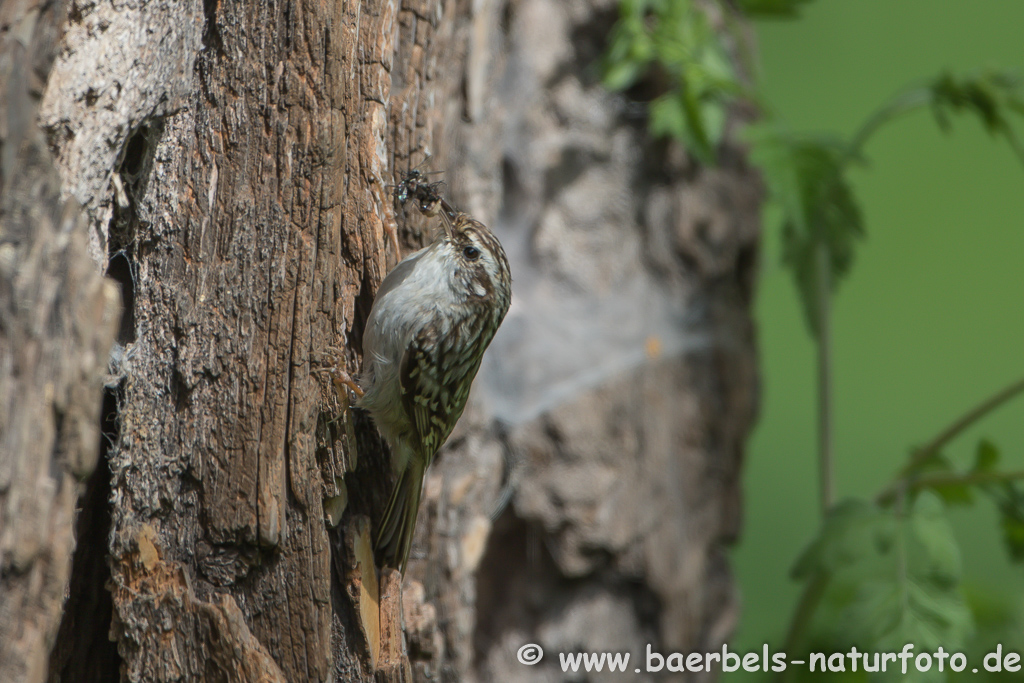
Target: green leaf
[[1013, 535], [954, 494], [806, 179], [891, 579], [1010, 500], [987, 457], [999, 619], [695, 134], [988, 95], [951, 494], [630, 48], [698, 125], [772, 9], [930, 532], [935, 462], [622, 74], [851, 530], [668, 116], [672, 47], [992, 96]]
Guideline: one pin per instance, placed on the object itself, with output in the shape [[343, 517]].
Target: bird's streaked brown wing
[[436, 376]]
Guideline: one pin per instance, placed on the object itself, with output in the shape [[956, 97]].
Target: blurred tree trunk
[[57, 321], [232, 161]]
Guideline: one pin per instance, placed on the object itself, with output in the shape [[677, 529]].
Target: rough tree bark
[[232, 162], [57, 322]]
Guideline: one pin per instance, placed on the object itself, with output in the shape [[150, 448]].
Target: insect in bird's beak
[[429, 201]]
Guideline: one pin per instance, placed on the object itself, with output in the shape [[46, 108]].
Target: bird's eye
[[471, 253]]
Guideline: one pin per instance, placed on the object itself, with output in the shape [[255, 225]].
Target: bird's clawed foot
[[338, 375]]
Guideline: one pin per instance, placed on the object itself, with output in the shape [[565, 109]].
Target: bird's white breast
[[408, 299]]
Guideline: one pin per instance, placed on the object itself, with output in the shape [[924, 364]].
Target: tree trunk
[[57, 321], [233, 161]]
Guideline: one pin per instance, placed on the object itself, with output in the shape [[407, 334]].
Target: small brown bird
[[432, 319]]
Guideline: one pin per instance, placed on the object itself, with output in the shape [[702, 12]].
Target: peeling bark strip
[[231, 651], [233, 160]]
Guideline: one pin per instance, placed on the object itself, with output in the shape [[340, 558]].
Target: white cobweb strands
[[560, 340]]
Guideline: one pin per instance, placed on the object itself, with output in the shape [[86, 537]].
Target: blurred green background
[[932, 319]]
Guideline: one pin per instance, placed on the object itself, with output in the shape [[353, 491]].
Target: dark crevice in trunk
[[519, 586], [353, 662], [83, 652], [515, 581]]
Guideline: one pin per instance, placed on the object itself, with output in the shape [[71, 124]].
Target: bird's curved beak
[[448, 217]]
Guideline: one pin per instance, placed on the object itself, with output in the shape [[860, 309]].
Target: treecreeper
[[431, 321]]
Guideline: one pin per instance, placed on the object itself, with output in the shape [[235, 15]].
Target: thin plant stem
[[824, 283], [901, 487], [966, 420], [952, 431], [805, 609], [901, 104], [967, 478]]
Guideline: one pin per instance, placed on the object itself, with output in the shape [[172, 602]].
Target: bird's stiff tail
[[397, 526]]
